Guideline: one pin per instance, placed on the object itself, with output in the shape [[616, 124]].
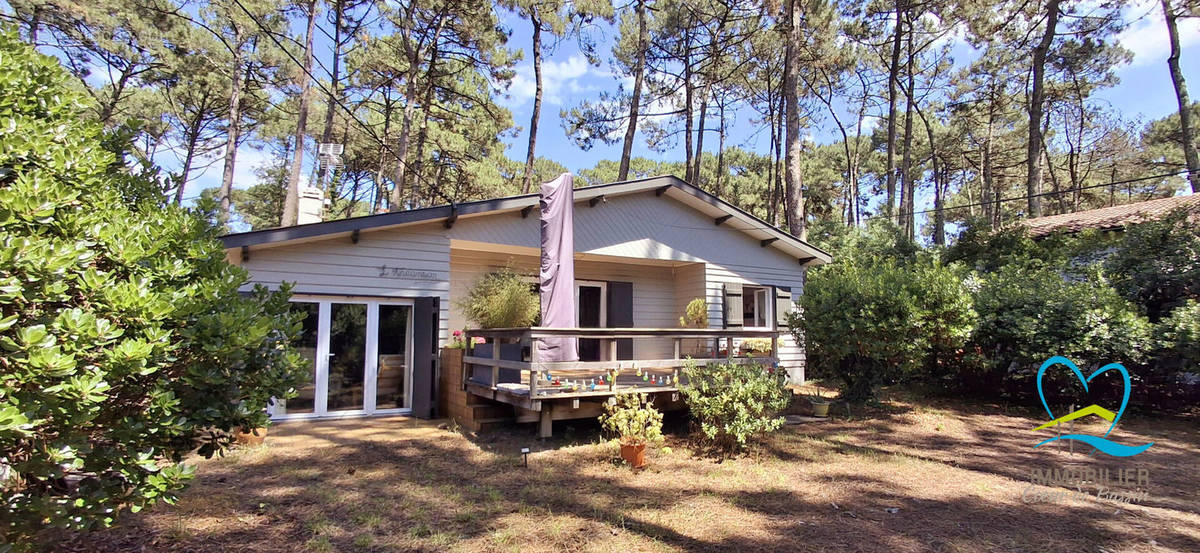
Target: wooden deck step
[[492, 410], [493, 423]]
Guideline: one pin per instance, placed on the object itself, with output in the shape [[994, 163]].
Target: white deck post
[[534, 373], [495, 362]]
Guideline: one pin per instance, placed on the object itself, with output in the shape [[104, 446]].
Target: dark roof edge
[[267, 236]]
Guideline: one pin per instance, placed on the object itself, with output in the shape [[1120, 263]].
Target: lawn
[[905, 477]]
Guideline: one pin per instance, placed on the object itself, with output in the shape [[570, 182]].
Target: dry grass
[[955, 475]]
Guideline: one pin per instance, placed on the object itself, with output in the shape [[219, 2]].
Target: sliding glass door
[[361, 358]]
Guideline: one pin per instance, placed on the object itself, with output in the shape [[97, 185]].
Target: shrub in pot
[[500, 299], [636, 423], [820, 403]]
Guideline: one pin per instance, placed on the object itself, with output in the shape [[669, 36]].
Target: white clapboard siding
[[791, 356], [639, 226], [339, 267]]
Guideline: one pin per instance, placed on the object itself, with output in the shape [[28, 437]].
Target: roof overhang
[[722, 212]]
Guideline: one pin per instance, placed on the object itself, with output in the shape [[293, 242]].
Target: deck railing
[[656, 371]]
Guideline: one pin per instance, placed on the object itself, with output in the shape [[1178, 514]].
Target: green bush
[[734, 402], [1178, 339], [125, 340], [695, 315], [1030, 313], [875, 321], [1157, 263], [501, 299], [633, 418]]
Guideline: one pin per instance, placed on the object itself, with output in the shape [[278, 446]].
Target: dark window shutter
[[620, 314], [783, 305], [425, 343], [733, 305]]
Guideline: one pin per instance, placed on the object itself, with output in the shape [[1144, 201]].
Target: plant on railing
[[733, 402], [636, 423], [500, 299], [457, 340], [755, 346], [695, 315]]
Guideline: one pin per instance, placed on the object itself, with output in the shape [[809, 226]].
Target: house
[[379, 292], [1114, 218]]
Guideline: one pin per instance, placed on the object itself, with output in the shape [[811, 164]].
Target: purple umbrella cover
[[558, 267]]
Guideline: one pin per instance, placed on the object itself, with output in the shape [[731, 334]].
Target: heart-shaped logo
[[1099, 442]]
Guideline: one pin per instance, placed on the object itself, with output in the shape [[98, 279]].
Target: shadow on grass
[[337, 487]]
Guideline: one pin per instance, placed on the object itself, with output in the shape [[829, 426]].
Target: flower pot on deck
[[253, 438], [634, 454]]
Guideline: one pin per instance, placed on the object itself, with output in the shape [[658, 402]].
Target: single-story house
[[1110, 219], [379, 291]]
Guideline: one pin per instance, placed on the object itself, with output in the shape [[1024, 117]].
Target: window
[[756, 306]]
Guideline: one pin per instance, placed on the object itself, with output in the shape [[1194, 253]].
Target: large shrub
[[501, 299], [126, 343], [875, 321], [1157, 263], [1178, 339], [1029, 313], [733, 402]]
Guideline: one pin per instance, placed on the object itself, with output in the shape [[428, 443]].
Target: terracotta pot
[[254, 438], [634, 454], [820, 409]]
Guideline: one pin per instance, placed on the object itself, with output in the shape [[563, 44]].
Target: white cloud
[[560, 79], [1146, 37]]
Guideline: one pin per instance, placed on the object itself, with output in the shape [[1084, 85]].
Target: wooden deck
[[549, 391]]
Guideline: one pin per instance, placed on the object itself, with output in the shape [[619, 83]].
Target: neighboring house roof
[[723, 213], [1111, 218]]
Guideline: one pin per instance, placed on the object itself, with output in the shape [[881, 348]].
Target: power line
[[433, 186]]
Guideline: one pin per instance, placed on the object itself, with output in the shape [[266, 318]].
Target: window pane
[[306, 344], [347, 355], [749, 297], [393, 356], [760, 297]]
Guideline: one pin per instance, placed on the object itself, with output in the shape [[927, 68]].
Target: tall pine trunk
[[698, 157], [1190, 155], [689, 101], [292, 200], [527, 181], [794, 194], [893, 83], [908, 187], [636, 97], [777, 187], [1037, 97], [193, 138], [232, 134]]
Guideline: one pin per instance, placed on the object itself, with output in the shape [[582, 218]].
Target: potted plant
[[635, 421], [820, 403], [499, 299]]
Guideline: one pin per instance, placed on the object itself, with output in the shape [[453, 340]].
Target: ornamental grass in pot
[[636, 423]]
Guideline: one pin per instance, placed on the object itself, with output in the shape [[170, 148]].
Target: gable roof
[[723, 213], [1111, 218]]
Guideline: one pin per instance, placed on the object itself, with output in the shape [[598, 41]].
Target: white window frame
[[603, 286], [370, 365], [765, 308]]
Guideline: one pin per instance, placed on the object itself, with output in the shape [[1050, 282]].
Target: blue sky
[[1144, 93]]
